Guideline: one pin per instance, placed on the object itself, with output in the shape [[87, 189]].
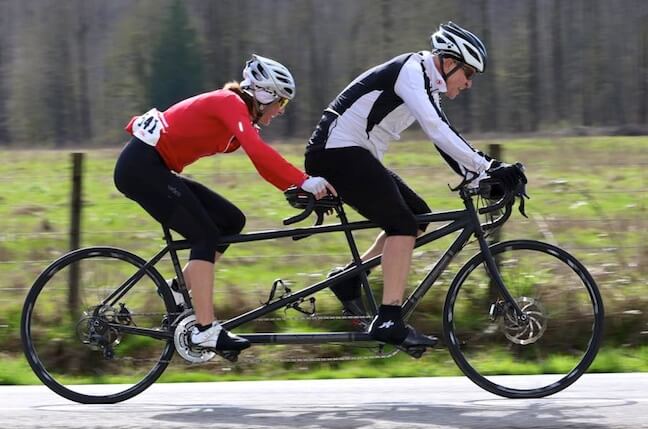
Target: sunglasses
[[283, 102], [469, 72]]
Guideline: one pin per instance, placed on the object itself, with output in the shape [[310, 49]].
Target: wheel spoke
[[559, 336], [74, 348]]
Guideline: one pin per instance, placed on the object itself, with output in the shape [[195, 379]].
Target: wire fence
[[618, 244]]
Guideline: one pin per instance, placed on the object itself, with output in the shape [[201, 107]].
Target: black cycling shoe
[[414, 343], [349, 292], [416, 339], [390, 329]]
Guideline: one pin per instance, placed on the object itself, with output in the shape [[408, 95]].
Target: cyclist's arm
[[268, 162], [463, 158]]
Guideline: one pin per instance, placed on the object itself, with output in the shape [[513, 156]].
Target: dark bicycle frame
[[466, 220]]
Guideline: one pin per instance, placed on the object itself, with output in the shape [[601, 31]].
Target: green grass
[[588, 195], [14, 370]]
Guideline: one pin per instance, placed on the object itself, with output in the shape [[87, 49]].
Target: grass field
[[588, 195]]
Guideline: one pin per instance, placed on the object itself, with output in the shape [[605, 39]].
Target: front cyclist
[[349, 143], [164, 143]]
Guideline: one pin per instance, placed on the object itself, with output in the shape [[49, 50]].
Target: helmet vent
[[270, 76], [471, 51], [460, 44]]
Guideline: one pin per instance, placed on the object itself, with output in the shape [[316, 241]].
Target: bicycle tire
[[547, 261], [37, 340]]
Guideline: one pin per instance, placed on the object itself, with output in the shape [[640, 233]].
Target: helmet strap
[[258, 110], [445, 75]]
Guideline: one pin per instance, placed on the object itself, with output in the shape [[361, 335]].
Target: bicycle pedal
[[359, 324], [230, 355], [415, 352]]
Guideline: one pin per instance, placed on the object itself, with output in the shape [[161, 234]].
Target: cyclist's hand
[[318, 186], [510, 175]]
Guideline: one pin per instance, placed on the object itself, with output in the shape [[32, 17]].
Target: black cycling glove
[[510, 175]]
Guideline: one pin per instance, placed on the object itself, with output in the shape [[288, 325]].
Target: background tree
[[176, 60], [128, 60], [74, 72], [642, 75], [5, 32]]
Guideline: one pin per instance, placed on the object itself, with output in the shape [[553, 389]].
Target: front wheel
[[529, 358], [83, 349]]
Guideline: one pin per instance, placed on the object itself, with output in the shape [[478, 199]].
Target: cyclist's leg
[[416, 204], [226, 216], [396, 247], [367, 186], [229, 220], [413, 201], [376, 193], [143, 177], [190, 218]]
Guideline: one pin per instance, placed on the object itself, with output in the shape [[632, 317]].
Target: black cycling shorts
[[374, 191], [183, 205]]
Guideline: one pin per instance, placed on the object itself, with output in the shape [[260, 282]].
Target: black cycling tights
[[371, 189], [189, 208]]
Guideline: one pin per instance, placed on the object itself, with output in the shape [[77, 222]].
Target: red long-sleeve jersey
[[219, 122]]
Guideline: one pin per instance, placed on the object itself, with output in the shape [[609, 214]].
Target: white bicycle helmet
[[267, 80], [462, 45]]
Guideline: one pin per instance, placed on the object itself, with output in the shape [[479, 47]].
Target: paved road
[[595, 401]]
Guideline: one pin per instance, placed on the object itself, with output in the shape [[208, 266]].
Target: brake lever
[[318, 222], [521, 193]]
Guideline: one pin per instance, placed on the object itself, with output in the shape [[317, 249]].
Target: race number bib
[[149, 127]]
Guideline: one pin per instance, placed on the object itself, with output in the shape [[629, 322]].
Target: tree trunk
[[557, 64], [490, 102], [84, 125], [534, 95]]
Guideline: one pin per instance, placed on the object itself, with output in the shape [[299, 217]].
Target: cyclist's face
[[459, 80], [272, 110]]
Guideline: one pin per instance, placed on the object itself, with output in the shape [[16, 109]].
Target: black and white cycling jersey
[[385, 100]]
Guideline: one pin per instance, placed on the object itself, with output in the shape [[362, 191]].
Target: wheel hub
[[93, 328], [528, 329]]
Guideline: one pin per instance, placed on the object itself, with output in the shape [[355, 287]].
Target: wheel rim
[[556, 343], [78, 354]]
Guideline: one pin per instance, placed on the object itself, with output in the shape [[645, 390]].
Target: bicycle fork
[[491, 266]]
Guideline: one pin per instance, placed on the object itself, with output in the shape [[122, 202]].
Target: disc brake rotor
[[527, 331]]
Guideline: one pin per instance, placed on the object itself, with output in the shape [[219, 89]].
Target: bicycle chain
[[256, 361]]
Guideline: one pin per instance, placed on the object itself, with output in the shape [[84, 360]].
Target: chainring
[[183, 345]]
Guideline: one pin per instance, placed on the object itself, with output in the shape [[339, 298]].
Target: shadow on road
[[551, 413]]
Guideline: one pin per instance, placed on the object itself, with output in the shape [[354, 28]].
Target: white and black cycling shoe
[[218, 339], [177, 295], [175, 290]]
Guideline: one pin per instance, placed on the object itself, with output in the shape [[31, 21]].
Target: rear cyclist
[[164, 143]]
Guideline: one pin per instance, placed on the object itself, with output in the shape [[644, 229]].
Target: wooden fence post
[[75, 229], [495, 151]]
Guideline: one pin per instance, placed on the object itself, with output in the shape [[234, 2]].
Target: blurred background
[[565, 92], [553, 64]]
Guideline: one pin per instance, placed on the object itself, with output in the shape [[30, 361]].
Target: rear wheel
[[77, 346], [555, 344]]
